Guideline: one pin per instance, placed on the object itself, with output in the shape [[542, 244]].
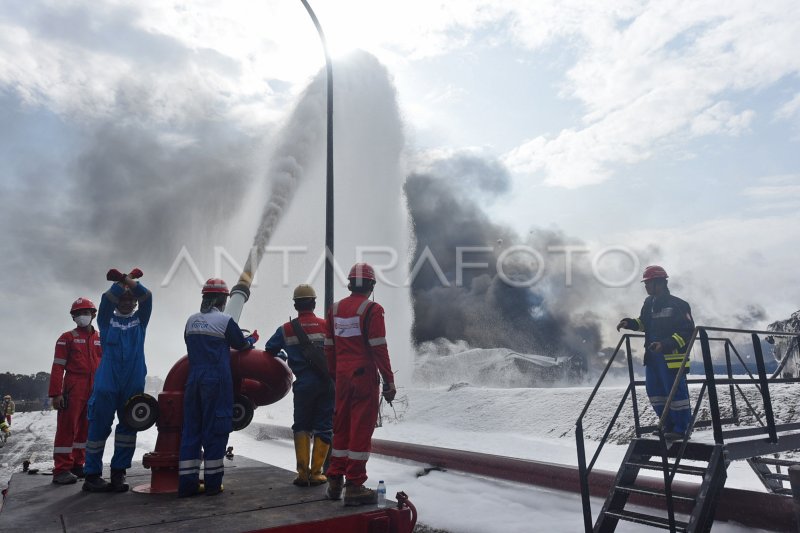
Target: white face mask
[[82, 320]]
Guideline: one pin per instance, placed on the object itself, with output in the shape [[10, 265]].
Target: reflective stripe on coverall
[[356, 368], [121, 374], [668, 320], [77, 355], [313, 395], [208, 398]]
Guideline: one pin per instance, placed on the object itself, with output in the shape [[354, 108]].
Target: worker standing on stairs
[[355, 345], [208, 397], [77, 356], [667, 325], [122, 318], [313, 387]]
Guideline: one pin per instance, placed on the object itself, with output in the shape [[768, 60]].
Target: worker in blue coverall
[[667, 323], [122, 319], [208, 396], [313, 389]]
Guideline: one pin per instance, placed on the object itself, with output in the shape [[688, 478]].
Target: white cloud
[[661, 76], [721, 118], [775, 193], [723, 265], [790, 109]]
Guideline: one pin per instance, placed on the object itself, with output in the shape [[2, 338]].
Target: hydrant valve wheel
[[141, 412]]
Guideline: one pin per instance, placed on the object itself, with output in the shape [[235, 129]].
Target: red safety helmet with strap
[[361, 271], [215, 286], [82, 303], [654, 272]]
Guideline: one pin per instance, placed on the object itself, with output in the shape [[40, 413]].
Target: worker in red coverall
[[76, 358], [355, 345]]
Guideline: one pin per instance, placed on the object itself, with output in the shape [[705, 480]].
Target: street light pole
[[329, 170]]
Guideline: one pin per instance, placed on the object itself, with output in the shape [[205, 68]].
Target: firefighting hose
[[402, 500]]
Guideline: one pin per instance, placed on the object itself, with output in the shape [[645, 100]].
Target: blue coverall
[[121, 374], [208, 398], [667, 319], [313, 393]]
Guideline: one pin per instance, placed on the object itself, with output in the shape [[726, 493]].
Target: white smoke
[[371, 222]]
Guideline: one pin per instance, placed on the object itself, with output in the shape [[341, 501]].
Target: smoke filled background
[[482, 308], [174, 137]]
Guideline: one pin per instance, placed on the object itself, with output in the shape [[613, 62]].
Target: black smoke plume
[[484, 310]]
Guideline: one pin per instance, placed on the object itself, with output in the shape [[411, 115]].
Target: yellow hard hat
[[304, 291]]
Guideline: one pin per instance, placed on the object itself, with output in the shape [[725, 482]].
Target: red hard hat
[[82, 303], [361, 271], [215, 286], [654, 272]]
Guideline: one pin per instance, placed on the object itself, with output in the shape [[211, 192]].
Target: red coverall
[[355, 357], [78, 354]]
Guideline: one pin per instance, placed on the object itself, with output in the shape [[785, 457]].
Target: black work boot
[[78, 472], [334, 491], [118, 481], [95, 483], [64, 478]]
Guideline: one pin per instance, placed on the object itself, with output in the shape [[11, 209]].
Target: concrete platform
[[256, 496]]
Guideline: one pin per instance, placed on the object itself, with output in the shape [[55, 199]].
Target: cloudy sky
[[135, 130]]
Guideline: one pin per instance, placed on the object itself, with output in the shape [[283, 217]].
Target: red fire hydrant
[[258, 379]]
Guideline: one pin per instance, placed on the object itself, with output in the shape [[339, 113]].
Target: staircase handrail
[[761, 383]]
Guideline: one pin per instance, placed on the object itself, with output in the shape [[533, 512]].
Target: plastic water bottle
[[381, 495]]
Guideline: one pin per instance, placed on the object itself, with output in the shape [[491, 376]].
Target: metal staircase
[[773, 480], [697, 507], [677, 505]]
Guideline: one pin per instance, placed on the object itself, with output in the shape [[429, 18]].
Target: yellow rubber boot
[[302, 450], [321, 449]]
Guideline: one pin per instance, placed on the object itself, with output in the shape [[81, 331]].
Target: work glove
[[115, 275], [656, 347], [58, 402], [136, 273], [626, 323], [389, 392], [253, 338]]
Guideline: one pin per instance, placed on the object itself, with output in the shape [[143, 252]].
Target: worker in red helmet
[[667, 323], [355, 345], [77, 356], [302, 340], [208, 394]]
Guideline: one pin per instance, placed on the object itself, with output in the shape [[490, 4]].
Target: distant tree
[[24, 387]]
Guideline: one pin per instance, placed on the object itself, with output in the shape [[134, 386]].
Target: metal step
[[775, 462], [657, 465], [775, 475], [694, 451], [658, 493], [653, 521]]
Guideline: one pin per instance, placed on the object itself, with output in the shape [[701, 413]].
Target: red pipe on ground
[[753, 509]]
